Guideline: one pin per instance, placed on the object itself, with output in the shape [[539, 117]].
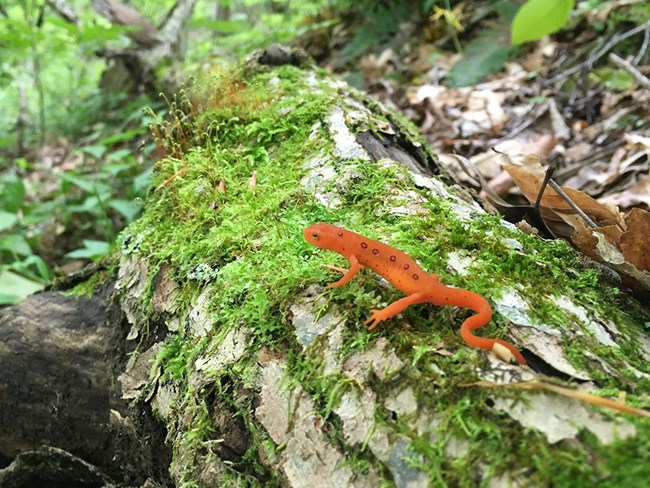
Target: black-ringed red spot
[[340, 234], [364, 245], [375, 252], [406, 266], [415, 277], [393, 258]]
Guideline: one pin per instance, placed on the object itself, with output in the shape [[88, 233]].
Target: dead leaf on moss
[[552, 201], [634, 242], [619, 241]]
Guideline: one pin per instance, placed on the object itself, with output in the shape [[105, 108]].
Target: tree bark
[[242, 370], [133, 69]]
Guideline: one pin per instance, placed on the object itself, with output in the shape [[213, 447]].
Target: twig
[[603, 151], [560, 192], [644, 46], [621, 63], [547, 177], [567, 392], [529, 118], [548, 181], [598, 53]]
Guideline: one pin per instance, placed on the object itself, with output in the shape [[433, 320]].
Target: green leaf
[[121, 136], [15, 243], [95, 188], [483, 56], [12, 192], [96, 151], [25, 268], [128, 208], [537, 18], [114, 169], [141, 182], [92, 205], [7, 220], [380, 21], [85, 185], [506, 9], [37, 262], [613, 79], [121, 155], [13, 287], [91, 249]]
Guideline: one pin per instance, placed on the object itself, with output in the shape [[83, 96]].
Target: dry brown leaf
[[578, 151], [582, 237], [420, 57], [612, 233], [530, 185], [374, 67], [484, 112], [637, 141], [527, 154], [634, 242], [252, 182], [618, 242], [542, 146], [637, 194], [623, 251], [543, 51], [631, 241]]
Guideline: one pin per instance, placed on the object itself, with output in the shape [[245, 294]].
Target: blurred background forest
[[88, 88]]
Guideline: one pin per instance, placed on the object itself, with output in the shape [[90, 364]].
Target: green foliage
[[21, 271], [100, 201], [253, 25], [380, 22], [537, 18], [483, 56], [92, 249], [613, 79], [50, 74], [44, 80]]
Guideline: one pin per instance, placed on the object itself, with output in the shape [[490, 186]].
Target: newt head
[[323, 235]]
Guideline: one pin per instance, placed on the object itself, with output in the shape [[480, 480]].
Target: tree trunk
[[133, 69], [248, 373]]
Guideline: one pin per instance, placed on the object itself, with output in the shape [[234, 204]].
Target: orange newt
[[403, 272]]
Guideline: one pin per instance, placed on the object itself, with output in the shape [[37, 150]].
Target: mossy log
[[244, 371]]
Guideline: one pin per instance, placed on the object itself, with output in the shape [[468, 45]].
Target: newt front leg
[[355, 267]]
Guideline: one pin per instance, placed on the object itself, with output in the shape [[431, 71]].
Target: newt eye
[[315, 236]]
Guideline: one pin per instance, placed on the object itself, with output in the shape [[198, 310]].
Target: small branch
[[598, 53], [547, 177], [638, 76], [644, 46], [64, 10], [578, 210]]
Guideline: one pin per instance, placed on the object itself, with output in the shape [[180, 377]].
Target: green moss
[[106, 273], [245, 246]]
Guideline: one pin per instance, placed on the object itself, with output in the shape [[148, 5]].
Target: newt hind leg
[[395, 308]]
